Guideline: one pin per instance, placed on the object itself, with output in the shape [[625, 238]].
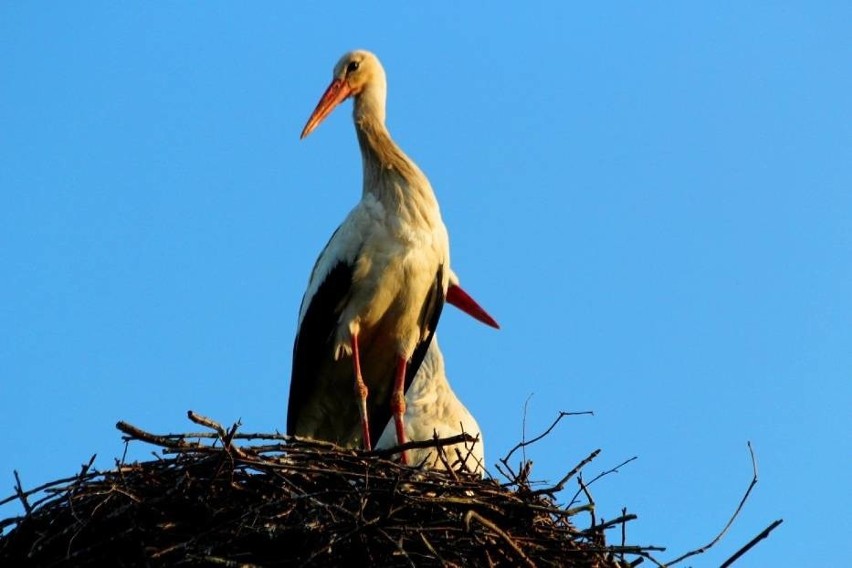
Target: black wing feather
[[315, 337]]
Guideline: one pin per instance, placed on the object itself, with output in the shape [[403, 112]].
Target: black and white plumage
[[432, 408], [377, 290]]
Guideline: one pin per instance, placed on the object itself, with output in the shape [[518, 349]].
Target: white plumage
[[432, 407]]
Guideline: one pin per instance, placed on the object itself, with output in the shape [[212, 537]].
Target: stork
[[432, 408], [378, 287]]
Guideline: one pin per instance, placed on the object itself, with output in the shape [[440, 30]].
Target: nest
[[278, 501]]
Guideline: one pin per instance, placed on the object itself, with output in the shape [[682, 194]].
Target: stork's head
[[358, 74]]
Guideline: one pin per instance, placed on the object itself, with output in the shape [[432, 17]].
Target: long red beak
[[462, 300], [335, 94]]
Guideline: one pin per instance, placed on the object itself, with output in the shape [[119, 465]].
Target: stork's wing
[[314, 341], [430, 313]]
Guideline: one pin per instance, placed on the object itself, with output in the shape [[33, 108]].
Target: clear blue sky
[[654, 199]]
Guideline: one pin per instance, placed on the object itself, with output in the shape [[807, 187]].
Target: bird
[[433, 409], [377, 290]]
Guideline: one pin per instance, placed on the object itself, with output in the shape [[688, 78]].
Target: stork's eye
[[353, 66]]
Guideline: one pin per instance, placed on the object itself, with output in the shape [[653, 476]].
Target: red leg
[[361, 393], [398, 405]]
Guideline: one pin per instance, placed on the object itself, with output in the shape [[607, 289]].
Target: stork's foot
[[398, 407], [361, 392]]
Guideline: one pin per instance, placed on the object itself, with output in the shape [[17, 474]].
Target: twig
[[209, 422], [473, 515], [225, 436], [602, 474], [612, 469], [419, 444], [49, 485], [218, 561], [576, 510], [84, 469], [524, 427], [134, 433], [645, 552], [230, 435], [751, 543], [240, 436], [561, 485], [609, 524], [431, 548], [19, 491], [525, 443], [585, 490], [507, 474], [730, 521]]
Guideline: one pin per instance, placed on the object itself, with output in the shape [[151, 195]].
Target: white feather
[[432, 407], [344, 245]]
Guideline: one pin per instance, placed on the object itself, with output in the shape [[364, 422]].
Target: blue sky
[[654, 199]]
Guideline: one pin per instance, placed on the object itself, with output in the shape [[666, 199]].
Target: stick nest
[[279, 501]]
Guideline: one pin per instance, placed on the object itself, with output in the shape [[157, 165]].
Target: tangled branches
[[281, 501]]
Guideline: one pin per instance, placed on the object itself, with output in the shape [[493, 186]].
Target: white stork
[[432, 408], [377, 289]]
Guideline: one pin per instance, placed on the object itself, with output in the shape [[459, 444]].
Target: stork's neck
[[389, 175]]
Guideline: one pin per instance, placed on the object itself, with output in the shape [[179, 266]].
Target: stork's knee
[[361, 389], [398, 403]]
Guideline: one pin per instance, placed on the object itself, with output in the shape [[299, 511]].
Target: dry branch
[[724, 530], [524, 443], [750, 544]]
